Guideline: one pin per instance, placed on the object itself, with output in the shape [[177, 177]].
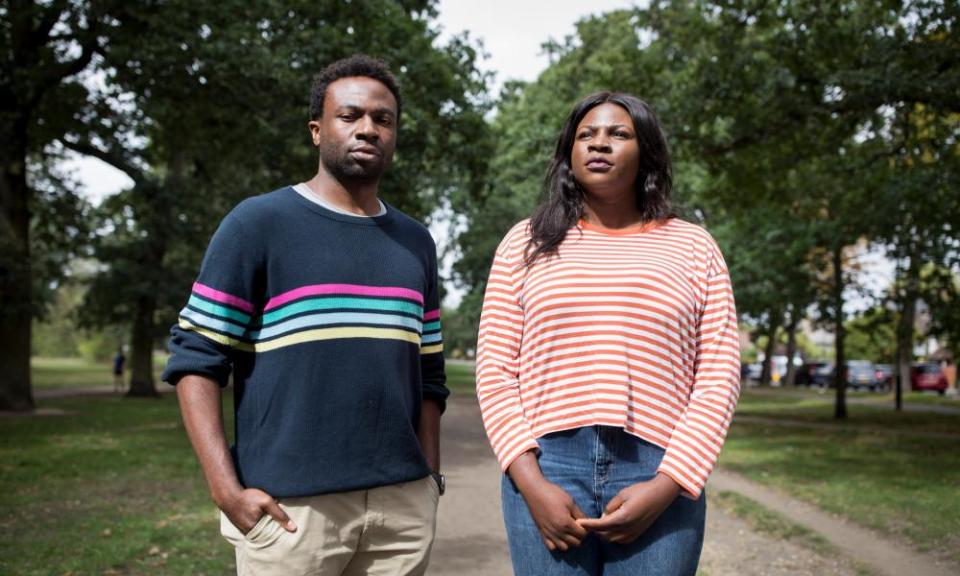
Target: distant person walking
[[323, 301], [119, 361], [608, 359]]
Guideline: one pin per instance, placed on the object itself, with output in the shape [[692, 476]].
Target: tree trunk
[[16, 273], [840, 408], [791, 378], [141, 354], [905, 323], [767, 368]]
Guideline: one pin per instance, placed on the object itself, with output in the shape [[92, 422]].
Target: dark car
[[860, 375], [928, 376], [822, 376], [807, 374]]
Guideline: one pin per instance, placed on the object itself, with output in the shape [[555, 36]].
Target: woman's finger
[[614, 504]]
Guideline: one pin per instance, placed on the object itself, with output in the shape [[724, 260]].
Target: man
[[323, 301], [118, 362]]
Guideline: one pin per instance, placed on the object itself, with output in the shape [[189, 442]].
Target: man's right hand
[[553, 510], [246, 507]]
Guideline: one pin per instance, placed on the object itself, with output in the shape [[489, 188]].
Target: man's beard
[[344, 168]]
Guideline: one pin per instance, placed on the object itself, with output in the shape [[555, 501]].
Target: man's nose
[[367, 129]]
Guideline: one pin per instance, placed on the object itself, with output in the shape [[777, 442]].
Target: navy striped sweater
[[331, 327]]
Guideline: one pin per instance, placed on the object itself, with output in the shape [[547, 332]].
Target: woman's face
[[606, 156]]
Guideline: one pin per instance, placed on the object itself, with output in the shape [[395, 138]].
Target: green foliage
[[100, 345], [203, 105], [799, 130], [606, 54], [940, 289], [872, 336], [459, 335]]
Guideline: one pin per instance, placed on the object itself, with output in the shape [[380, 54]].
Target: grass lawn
[[879, 468], [109, 487], [51, 373], [460, 378]]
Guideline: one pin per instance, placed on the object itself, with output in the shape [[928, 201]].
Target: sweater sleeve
[[214, 323], [498, 358], [432, 371], [699, 434]]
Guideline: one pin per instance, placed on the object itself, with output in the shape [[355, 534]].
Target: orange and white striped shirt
[[633, 328]]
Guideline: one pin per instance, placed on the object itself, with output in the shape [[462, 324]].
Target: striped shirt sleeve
[[215, 322], [699, 434], [432, 369], [498, 356]]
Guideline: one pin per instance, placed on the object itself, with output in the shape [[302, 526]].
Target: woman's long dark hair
[[562, 203]]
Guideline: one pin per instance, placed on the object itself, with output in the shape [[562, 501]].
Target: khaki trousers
[[382, 531]]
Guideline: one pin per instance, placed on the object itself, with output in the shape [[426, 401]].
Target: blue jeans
[[593, 464]]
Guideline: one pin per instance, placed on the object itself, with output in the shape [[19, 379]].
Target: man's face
[[358, 131]]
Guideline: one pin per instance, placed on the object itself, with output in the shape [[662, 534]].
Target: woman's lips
[[598, 165]]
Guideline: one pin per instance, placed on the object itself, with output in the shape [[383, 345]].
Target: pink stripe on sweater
[[213, 294], [431, 315], [343, 290]]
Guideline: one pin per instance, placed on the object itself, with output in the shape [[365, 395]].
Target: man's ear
[[315, 131]]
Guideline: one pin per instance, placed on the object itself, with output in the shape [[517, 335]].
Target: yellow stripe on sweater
[[308, 336]]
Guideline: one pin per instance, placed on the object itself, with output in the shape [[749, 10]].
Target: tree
[[190, 126], [45, 47]]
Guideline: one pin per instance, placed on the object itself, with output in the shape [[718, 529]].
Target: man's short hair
[[357, 65]]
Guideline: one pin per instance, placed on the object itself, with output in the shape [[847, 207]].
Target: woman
[[608, 362]]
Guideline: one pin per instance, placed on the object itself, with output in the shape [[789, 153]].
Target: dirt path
[[471, 539], [880, 554]]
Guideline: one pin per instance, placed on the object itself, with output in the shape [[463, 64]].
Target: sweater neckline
[[379, 220], [630, 230]]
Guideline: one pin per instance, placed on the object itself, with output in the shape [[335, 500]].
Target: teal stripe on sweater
[[217, 310], [318, 304]]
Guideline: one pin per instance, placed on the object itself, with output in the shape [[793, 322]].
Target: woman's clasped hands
[[563, 525]]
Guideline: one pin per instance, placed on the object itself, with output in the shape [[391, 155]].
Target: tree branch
[[113, 158]]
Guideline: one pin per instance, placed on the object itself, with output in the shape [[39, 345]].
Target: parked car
[[928, 376], [822, 376], [884, 375], [860, 375], [806, 374]]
